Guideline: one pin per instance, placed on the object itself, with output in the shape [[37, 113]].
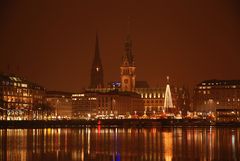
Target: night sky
[[52, 42]]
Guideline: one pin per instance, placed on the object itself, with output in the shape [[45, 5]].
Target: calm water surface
[[120, 144]]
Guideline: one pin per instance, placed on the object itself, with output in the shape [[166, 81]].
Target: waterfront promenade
[[110, 123]]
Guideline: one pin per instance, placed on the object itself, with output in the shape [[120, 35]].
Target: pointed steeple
[[128, 48], [97, 69], [97, 53]]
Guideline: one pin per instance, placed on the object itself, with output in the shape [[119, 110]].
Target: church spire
[[97, 69]]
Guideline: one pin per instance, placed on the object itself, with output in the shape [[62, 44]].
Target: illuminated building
[[128, 68], [97, 69], [18, 96], [210, 95], [155, 101], [61, 102], [84, 103], [154, 98], [227, 115], [107, 101]]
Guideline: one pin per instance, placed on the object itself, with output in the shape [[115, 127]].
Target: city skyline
[[56, 48]]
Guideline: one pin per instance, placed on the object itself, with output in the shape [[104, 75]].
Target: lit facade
[[18, 95], [210, 95], [107, 102], [227, 115], [154, 98], [84, 103], [61, 103]]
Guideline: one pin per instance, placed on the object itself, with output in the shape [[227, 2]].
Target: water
[[120, 144]]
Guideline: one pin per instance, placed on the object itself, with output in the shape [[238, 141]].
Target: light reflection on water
[[115, 144]]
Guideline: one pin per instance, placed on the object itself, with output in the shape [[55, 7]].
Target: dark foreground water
[[120, 144]]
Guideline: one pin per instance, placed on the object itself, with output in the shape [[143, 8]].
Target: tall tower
[[128, 67], [97, 69]]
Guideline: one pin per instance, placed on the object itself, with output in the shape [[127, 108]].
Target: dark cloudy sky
[[52, 42]]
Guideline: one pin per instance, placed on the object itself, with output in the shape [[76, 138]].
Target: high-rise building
[[128, 67], [97, 69]]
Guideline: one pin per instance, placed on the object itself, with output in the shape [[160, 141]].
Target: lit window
[[145, 95], [154, 95], [24, 85]]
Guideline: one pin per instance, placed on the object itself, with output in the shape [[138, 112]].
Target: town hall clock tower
[[128, 68]]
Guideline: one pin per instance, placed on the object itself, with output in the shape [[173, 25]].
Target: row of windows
[[14, 91], [218, 93], [17, 99], [152, 95], [217, 83], [17, 105]]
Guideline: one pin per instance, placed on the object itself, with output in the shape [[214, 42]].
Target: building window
[[150, 95], [154, 95], [145, 95]]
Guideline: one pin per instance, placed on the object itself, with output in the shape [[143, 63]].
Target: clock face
[[97, 69], [125, 81]]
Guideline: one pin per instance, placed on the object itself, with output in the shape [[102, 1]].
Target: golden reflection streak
[[168, 145]]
